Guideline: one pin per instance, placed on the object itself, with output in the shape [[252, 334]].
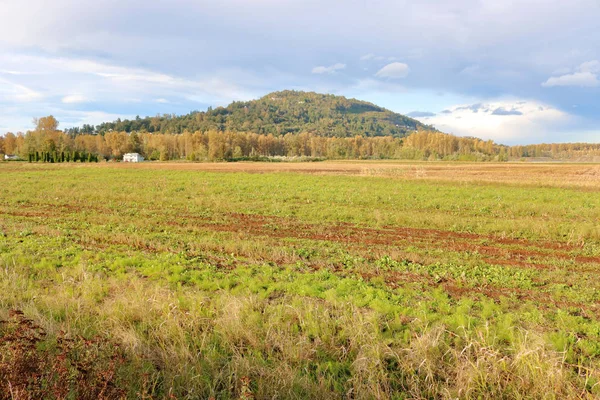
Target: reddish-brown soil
[[508, 251], [491, 249]]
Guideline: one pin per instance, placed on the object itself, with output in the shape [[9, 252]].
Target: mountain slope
[[283, 112]]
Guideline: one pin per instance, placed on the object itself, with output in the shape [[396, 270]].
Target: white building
[[133, 157], [10, 157]]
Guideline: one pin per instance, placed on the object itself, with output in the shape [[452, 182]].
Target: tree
[[10, 143], [117, 142], [135, 144], [46, 124]]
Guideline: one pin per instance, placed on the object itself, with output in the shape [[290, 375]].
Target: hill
[[279, 113]]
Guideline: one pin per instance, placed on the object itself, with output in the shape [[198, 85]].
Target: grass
[[188, 283]]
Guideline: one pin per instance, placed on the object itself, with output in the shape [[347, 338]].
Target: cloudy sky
[[523, 71]]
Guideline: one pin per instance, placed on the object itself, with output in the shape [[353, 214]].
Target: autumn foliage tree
[[47, 143]]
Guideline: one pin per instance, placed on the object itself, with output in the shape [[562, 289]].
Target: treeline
[[61, 157], [51, 145], [276, 114], [47, 144], [557, 151], [425, 145]]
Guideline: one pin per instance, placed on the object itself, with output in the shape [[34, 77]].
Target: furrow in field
[[492, 249], [393, 279], [526, 256]]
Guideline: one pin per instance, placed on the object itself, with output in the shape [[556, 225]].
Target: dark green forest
[[277, 113]]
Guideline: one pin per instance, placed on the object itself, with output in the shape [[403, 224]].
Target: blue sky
[[515, 72]]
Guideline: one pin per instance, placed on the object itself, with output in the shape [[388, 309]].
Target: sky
[[517, 72]]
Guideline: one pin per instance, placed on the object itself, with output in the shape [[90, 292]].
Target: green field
[[152, 282]]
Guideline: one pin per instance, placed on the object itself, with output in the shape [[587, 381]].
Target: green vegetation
[[281, 124], [47, 144], [60, 157], [155, 283], [278, 113]]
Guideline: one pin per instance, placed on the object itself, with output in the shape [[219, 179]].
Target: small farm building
[[133, 157]]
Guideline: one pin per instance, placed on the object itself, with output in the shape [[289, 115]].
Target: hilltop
[[279, 113]]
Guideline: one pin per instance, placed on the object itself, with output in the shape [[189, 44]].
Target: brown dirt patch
[[528, 253], [492, 249]]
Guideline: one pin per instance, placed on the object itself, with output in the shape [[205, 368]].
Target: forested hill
[[279, 113]]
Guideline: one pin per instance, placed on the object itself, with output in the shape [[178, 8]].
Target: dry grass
[[517, 173], [178, 333]]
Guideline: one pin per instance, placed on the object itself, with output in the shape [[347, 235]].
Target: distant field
[[325, 280], [540, 174]]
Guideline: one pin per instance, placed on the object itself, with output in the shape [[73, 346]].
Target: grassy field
[[357, 280]]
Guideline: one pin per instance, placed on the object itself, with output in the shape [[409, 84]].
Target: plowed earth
[[496, 250], [493, 250]]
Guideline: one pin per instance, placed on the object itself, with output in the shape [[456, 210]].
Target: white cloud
[[503, 121], [328, 70], [88, 84], [74, 98], [580, 79], [78, 80], [367, 57], [70, 118], [395, 70], [586, 75], [109, 71], [590, 66], [17, 118], [161, 100], [16, 92], [9, 72]]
